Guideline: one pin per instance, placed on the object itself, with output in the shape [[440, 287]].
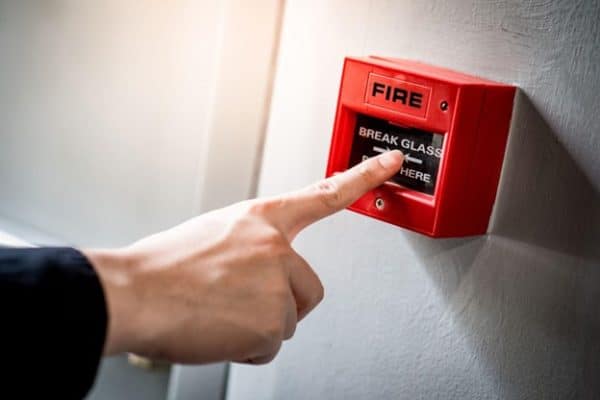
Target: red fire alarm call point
[[451, 127]]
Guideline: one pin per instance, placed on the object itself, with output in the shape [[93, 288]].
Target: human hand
[[226, 285]]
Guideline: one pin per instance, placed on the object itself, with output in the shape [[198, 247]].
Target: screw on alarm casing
[[379, 203]]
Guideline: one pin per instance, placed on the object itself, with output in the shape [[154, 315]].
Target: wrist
[[115, 269]]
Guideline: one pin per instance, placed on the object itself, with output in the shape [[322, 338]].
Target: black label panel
[[422, 150]]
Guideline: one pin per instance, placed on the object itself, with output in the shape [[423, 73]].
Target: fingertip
[[391, 159]]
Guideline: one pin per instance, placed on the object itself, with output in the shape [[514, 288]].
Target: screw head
[[379, 203], [444, 105]]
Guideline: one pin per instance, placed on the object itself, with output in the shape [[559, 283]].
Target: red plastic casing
[[475, 126]]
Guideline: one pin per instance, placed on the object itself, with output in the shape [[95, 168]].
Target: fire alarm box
[[452, 129]]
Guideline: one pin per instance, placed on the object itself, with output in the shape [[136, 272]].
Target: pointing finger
[[303, 207]]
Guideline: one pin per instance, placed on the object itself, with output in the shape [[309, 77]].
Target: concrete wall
[[510, 315]]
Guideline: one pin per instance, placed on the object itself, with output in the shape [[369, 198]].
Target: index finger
[[328, 196]]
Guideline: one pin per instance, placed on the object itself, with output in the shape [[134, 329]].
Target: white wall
[[510, 315], [120, 118]]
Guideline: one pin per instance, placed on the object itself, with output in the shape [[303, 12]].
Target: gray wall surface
[[123, 117], [103, 109], [511, 315]]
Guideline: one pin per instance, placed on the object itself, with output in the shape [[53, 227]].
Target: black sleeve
[[53, 321]]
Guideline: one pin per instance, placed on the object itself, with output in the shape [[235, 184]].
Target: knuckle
[[274, 236], [273, 242], [316, 296], [317, 290], [319, 293], [270, 327], [328, 192], [256, 207], [262, 207], [290, 332], [275, 333], [271, 337]]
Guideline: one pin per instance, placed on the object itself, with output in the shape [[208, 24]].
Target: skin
[[226, 285]]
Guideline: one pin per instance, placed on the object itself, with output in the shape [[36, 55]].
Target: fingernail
[[391, 159]]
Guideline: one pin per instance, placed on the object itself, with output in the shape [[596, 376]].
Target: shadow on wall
[[544, 198], [525, 297]]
